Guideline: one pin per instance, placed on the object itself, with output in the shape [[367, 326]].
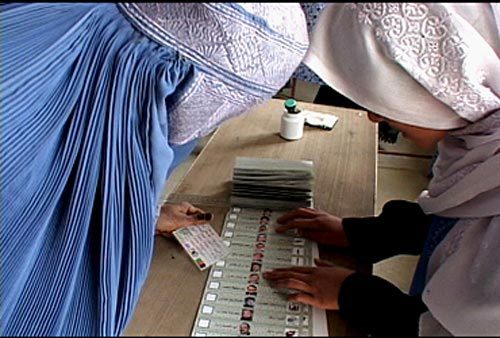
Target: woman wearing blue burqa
[[99, 103]]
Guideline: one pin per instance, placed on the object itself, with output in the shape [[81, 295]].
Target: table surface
[[345, 185]]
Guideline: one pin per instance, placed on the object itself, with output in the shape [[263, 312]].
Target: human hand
[[317, 286], [316, 225], [175, 216]]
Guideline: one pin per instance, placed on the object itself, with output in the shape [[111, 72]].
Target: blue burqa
[[85, 149]]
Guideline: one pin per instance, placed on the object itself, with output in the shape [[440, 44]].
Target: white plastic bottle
[[292, 121]]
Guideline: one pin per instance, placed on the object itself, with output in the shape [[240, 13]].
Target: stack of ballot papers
[[272, 183]]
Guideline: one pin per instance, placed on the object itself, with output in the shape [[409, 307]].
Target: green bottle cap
[[291, 106], [290, 103]]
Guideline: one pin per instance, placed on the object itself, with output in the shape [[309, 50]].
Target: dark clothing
[[401, 229], [328, 96], [370, 303], [376, 307]]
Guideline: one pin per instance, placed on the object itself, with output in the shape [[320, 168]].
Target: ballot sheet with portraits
[[237, 300]]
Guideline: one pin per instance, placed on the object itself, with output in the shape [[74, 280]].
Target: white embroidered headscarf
[[242, 53], [434, 65]]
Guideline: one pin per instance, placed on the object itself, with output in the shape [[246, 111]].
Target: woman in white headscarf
[[100, 102], [431, 70]]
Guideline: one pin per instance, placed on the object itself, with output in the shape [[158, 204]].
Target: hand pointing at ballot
[[316, 225], [175, 216], [317, 286]]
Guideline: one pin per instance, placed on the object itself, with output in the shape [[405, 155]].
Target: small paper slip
[[320, 120], [202, 243]]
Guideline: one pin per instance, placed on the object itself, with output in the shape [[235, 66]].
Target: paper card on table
[[203, 244]]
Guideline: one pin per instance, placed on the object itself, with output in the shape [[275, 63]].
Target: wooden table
[[345, 184]]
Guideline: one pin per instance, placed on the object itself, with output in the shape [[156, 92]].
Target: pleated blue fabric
[[99, 103], [84, 157]]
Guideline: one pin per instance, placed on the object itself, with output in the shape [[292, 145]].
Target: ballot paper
[[237, 300], [202, 243], [319, 120], [272, 183]]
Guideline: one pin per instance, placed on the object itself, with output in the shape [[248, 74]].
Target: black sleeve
[[375, 307], [401, 228]]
